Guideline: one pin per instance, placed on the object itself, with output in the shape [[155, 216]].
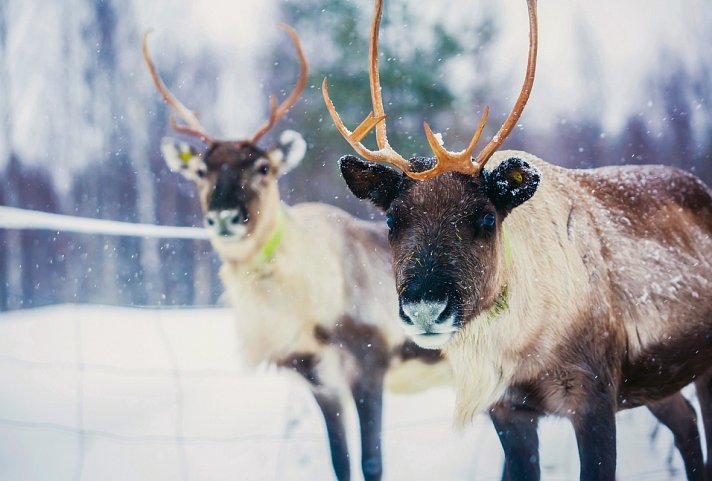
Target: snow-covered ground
[[106, 393]]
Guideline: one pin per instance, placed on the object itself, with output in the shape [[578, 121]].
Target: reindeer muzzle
[[430, 324], [227, 223]]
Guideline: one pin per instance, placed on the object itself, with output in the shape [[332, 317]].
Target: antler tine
[[184, 129], [270, 121], [516, 112], [452, 161], [194, 127], [377, 117], [288, 103], [386, 154]]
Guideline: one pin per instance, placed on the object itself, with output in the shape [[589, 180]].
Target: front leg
[[368, 395], [595, 427], [517, 430], [331, 408]]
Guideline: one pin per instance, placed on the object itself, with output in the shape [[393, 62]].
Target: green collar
[[502, 303], [269, 248], [275, 239]]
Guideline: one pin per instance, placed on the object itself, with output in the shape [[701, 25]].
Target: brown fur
[[609, 303], [322, 305], [633, 325]]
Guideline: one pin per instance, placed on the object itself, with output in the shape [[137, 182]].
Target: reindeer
[[575, 293], [305, 280]]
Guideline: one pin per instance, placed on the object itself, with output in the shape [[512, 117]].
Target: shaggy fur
[[610, 276], [603, 302], [323, 304]]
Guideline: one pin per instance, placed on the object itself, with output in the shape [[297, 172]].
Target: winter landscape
[[107, 393], [119, 358]]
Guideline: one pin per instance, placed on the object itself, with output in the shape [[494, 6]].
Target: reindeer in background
[[552, 291], [305, 281]]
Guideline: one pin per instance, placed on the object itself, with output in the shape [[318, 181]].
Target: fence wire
[[25, 219]]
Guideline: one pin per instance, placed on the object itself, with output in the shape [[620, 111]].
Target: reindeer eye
[[200, 173], [489, 220], [389, 221], [264, 170]]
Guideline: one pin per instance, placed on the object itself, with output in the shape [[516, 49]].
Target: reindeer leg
[[703, 384], [679, 416], [330, 406], [595, 428], [368, 395], [517, 430]]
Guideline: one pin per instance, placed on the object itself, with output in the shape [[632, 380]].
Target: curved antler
[[516, 112], [447, 161], [277, 113], [193, 127], [376, 118]]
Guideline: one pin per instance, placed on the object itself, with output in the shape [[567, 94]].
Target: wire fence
[[105, 393], [169, 382], [106, 390], [48, 258], [25, 219], [190, 355]]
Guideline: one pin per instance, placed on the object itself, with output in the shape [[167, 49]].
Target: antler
[[516, 112], [446, 160], [462, 161], [277, 113], [453, 161], [376, 118], [193, 127]]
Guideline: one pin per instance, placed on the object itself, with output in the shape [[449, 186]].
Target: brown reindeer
[[305, 281], [553, 291]]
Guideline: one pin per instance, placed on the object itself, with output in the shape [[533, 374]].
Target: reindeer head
[[444, 213], [236, 180]]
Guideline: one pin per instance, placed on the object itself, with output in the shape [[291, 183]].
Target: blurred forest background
[[80, 122]]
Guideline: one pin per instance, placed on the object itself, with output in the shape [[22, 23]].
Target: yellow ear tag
[[517, 177], [185, 157]]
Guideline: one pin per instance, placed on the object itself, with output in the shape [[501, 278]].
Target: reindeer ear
[[183, 158], [512, 183], [289, 151], [372, 181]]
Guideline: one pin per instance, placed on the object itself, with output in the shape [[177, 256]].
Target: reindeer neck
[[271, 245]]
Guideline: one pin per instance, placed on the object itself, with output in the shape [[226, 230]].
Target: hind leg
[[703, 384], [679, 416]]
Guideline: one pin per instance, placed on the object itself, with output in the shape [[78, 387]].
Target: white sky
[[596, 58]]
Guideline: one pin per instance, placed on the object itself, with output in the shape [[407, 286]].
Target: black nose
[[425, 314], [240, 217], [424, 288]]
